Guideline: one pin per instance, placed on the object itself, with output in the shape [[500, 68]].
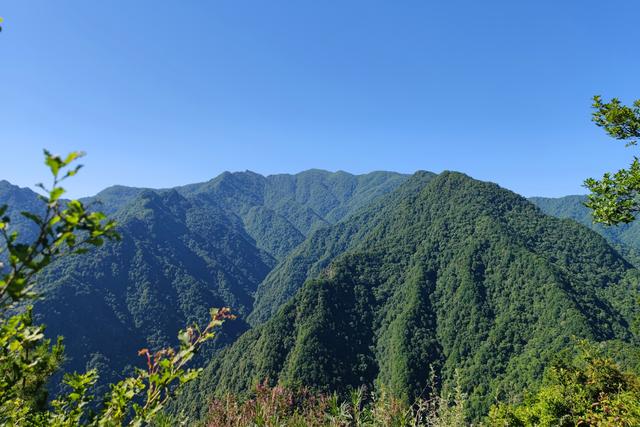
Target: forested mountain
[[177, 258], [17, 200], [446, 273], [183, 251], [348, 280], [312, 256], [280, 210], [624, 237]]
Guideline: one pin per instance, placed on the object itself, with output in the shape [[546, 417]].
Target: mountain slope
[[183, 251], [279, 211], [18, 200], [455, 274], [322, 246], [624, 237], [177, 259]]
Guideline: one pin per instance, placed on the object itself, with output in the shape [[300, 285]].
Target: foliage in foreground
[[591, 391], [285, 407], [588, 390], [27, 359], [614, 198]]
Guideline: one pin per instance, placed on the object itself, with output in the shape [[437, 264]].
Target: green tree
[[27, 359], [614, 198]]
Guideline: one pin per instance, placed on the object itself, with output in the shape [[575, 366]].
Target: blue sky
[[163, 93]]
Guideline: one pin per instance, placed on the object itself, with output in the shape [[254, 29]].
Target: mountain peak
[[6, 185], [445, 272]]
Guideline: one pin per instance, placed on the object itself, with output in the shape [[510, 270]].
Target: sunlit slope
[[450, 273]]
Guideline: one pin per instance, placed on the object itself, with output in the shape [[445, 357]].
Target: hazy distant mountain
[[280, 210]]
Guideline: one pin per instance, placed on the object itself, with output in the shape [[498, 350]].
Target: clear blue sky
[[162, 93]]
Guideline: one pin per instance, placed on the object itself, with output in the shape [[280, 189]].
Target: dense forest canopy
[[183, 251], [426, 283], [451, 274]]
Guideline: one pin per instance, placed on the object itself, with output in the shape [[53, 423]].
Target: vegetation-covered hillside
[[183, 251], [322, 246], [379, 281], [176, 260], [279, 211], [452, 274], [17, 200], [624, 237]]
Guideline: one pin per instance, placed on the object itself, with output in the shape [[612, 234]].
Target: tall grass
[[283, 407]]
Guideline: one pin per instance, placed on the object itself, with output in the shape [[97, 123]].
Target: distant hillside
[[20, 199], [279, 211], [446, 272], [624, 237]]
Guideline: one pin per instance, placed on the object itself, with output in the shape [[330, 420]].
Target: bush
[[592, 390]]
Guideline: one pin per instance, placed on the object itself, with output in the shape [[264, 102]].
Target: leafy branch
[[64, 228], [614, 198], [27, 359]]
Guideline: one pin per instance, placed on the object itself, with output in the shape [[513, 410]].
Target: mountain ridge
[[401, 273], [184, 250], [457, 274]]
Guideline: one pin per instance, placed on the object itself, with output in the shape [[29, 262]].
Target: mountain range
[[344, 280], [183, 251], [446, 273]]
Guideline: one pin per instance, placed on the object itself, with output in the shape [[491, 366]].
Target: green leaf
[[56, 193], [54, 162], [73, 156], [72, 172]]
